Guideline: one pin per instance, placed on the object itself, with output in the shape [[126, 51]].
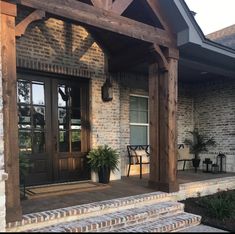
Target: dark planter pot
[[104, 175], [196, 163]]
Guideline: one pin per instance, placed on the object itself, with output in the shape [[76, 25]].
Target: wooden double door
[[53, 123]]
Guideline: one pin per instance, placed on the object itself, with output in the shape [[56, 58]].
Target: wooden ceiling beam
[[98, 3], [119, 6], [89, 15], [155, 6]]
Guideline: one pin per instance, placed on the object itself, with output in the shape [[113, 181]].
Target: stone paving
[[203, 228]]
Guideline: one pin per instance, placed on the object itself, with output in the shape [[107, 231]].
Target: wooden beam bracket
[[22, 26], [161, 58]]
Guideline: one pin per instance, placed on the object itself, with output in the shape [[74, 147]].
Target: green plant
[[220, 206], [103, 156], [200, 143]]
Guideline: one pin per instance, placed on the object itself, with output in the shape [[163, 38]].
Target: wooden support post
[[10, 117], [163, 129]]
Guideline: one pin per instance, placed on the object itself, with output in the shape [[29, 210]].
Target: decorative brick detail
[[45, 67]]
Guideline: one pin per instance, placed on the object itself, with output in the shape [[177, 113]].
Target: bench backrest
[[183, 152], [135, 150]]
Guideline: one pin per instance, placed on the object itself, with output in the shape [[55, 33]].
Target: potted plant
[[103, 160], [199, 144]]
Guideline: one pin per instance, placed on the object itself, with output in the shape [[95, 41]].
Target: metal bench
[[183, 155], [138, 154]]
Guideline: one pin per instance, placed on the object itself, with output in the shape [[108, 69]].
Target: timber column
[[163, 92], [10, 118]]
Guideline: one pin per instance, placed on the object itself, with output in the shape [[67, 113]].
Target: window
[[139, 120]]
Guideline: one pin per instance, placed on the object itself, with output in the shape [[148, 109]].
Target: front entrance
[[53, 128]]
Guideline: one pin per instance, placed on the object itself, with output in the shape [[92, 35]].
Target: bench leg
[[128, 173], [140, 167], [184, 165]]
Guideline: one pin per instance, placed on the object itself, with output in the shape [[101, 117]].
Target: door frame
[[43, 76]]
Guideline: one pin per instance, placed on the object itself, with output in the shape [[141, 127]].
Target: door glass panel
[[64, 141], [63, 96], [76, 97], [24, 114], [25, 143], [76, 140], [23, 92], [38, 142], [39, 117], [38, 93], [31, 116], [69, 118]]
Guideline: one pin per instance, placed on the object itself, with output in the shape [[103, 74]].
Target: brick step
[[48, 218], [174, 223], [118, 219]]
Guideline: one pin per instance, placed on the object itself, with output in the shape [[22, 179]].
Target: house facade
[[56, 58]]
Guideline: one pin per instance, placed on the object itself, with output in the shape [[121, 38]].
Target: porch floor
[[127, 186]]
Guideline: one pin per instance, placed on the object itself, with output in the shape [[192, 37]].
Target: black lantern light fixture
[[207, 165], [215, 168], [107, 89], [221, 162]]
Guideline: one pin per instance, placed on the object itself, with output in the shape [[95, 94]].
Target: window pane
[[38, 93], [139, 135], [24, 115], [63, 95], [23, 89], [25, 143], [63, 117], [75, 97], [39, 117], [38, 142], [64, 141], [143, 103], [76, 141], [139, 110], [143, 117], [133, 103], [134, 116]]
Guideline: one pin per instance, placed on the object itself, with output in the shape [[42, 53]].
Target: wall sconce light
[[107, 90]]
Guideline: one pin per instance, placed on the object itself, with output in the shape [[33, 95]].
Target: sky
[[213, 15]]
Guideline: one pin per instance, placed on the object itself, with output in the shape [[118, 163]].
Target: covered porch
[[154, 55], [191, 184]]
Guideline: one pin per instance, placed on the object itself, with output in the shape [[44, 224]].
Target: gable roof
[[195, 49], [225, 36]]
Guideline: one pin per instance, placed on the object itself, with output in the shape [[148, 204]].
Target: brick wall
[[215, 116], [57, 43]]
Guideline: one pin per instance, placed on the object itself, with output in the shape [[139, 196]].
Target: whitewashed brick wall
[[214, 113]]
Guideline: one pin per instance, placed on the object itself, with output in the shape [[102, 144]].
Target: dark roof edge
[[200, 32]]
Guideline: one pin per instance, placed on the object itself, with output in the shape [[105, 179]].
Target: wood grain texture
[[22, 26], [103, 19], [119, 6], [154, 122], [10, 116]]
